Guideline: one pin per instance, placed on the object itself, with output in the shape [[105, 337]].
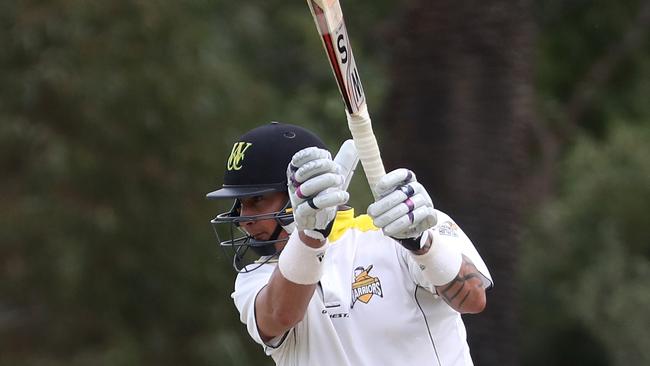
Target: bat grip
[[366, 144]]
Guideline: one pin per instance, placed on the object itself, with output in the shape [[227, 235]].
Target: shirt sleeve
[[247, 286], [448, 228]]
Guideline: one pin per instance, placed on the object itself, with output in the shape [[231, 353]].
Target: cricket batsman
[[327, 287]]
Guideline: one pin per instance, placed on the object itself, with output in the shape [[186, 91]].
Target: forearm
[[282, 303], [454, 276], [466, 292]]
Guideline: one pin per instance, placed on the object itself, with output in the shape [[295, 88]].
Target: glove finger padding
[[308, 154], [389, 182], [398, 197], [316, 215], [328, 198], [307, 213], [312, 169], [413, 224], [315, 185], [405, 209], [402, 208]]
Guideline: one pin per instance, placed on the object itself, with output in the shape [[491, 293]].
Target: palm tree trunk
[[458, 112]]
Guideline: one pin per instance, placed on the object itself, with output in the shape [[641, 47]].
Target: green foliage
[[587, 258], [587, 253], [593, 63]]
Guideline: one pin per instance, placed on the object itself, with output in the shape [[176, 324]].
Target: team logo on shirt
[[448, 228], [365, 286]]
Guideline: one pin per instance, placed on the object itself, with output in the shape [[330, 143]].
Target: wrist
[[424, 242], [300, 262], [310, 241]]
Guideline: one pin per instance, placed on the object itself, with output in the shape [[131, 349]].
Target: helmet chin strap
[[276, 232]]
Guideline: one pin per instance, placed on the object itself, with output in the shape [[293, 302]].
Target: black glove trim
[[328, 229], [412, 244]]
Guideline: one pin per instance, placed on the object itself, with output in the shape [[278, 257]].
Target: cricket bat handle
[[367, 148]]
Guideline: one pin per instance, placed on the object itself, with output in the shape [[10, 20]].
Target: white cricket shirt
[[372, 306]]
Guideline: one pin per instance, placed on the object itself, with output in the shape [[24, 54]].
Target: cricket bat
[[328, 17]]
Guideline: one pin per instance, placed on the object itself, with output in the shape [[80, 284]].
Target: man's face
[[258, 205]]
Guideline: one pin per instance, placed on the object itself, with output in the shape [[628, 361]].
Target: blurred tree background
[[116, 118]]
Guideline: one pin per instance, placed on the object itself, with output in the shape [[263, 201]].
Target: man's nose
[[247, 212]]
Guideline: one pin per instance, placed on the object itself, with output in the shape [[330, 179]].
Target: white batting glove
[[404, 210], [315, 189]]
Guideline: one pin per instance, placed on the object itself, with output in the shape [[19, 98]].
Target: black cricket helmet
[[257, 165]]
